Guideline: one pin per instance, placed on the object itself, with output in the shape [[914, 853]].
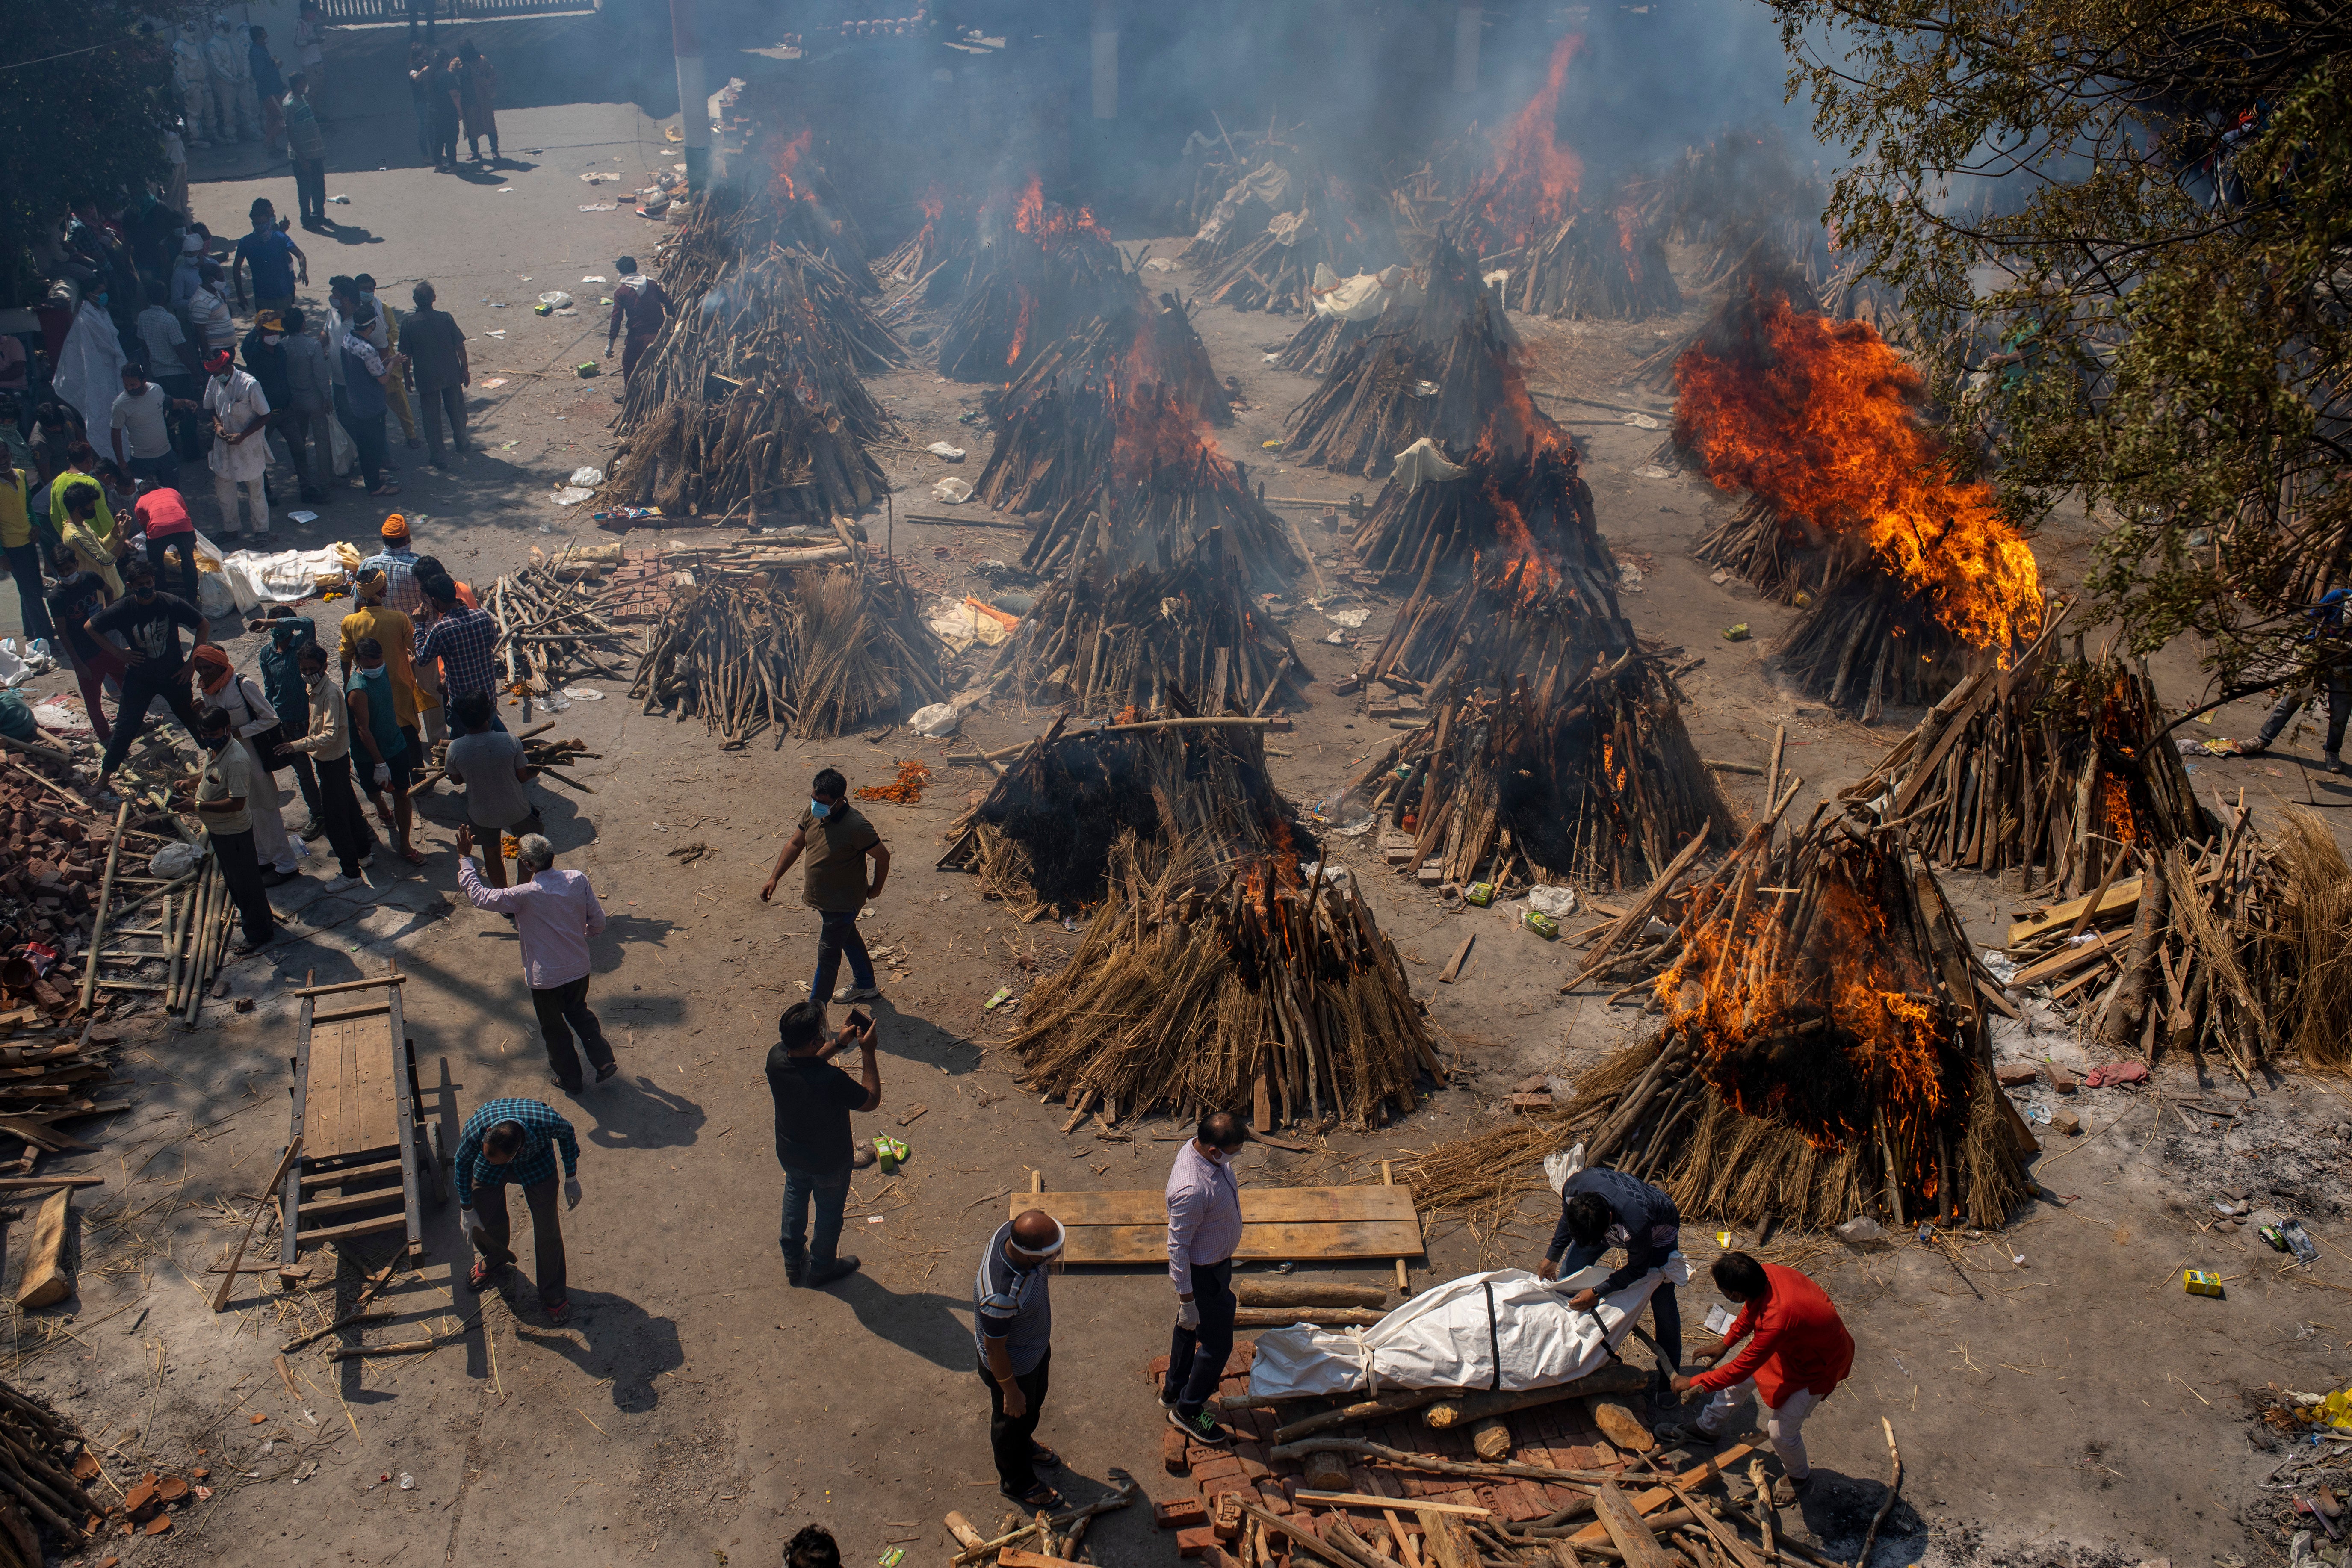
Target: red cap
[[216, 361]]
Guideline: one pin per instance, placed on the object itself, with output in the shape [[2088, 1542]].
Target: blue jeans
[[1665, 1312], [829, 1190], [840, 935], [25, 565]]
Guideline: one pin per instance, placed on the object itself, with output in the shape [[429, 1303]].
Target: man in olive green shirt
[[837, 842]]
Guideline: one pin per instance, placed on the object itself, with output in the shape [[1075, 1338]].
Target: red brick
[[1255, 1469], [1159, 1368], [1561, 1497], [1194, 1542], [1180, 1513], [1522, 1502], [1215, 1464], [1172, 1453], [1276, 1501]]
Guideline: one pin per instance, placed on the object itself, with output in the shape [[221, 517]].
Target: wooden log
[[1307, 1293], [1378, 1409], [1324, 1472], [1466, 1409], [228, 1281], [44, 1281], [1447, 1540], [1320, 1317], [1491, 1438], [1638, 917], [1628, 1532]]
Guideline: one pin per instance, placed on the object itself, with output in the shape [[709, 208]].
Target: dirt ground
[[2057, 1397]]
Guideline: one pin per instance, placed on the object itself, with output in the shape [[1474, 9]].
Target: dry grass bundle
[[1197, 992], [1182, 788], [2314, 908], [1438, 368], [751, 395], [1100, 640], [1823, 1045], [811, 651]]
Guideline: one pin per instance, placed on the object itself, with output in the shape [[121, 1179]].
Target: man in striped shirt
[[516, 1141], [1204, 1228]]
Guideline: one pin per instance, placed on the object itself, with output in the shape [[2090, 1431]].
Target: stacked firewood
[[1824, 1050], [807, 651], [1197, 990], [796, 208], [751, 395], [1603, 263], [940, 260], [1155, 785], [551, 630], [1259, 248], [1102, 640], [46, 1464], [1439, 370], [1042, 271], [1742, 200], [1519, 494]]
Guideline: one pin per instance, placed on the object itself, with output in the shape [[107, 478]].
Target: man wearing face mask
[[1012, 1320], [149, 623], [1204, 1227], [837, 842], [240, 454], [224, 792]]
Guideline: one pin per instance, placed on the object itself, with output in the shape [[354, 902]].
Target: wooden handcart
[[366, 1152]]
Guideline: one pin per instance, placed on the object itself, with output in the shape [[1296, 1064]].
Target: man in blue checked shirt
[[516, 1140]]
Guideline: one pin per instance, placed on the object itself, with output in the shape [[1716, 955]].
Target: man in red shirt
[[639, 304], [1799, 1353], [163, 516]]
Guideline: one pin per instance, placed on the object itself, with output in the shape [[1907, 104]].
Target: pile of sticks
[[939, 261], [1439, 369], [1256, 254], [1825, 1047], [797, 210], [551, 632], [1257, 987], [1602, 263], [1519, 497], [2041, 769], [45, 1465], [1068, 804], [807, 651], [1100, 640], [752, 395], [1030, 288]]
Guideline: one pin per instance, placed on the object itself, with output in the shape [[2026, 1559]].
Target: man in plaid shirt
[[462, 639], [517, 1141]]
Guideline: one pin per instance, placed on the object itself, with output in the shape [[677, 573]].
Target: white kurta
[[236, 400], [89, 368]]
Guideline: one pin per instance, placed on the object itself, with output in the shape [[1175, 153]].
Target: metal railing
[[442, 11]]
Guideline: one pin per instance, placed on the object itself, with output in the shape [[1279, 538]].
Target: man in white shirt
[[234, 99], [240, 455], [141, 429], [556, 914], [1204, 1229]]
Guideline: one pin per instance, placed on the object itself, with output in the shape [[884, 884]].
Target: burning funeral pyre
[[1852, 511], [796, 210], [1102, 641], [1344, 312], [1436, 369], [811, 651], [1042, 271], [1198, 989], [1105, 438], [942, 258], [1743, 203], [1824, 1051], [1186, 787], [751, 399], [1604, 262], [1279, 228]]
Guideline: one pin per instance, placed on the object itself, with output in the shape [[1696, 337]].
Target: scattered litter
[[598, 176], [1003, 994], [1425, 389], [1863, 1231], [407, 1482], [587, 476], [599, 207], [941, 449], [595, 278], [173, 861], [570, 495], [503, 190], [951, 492], [1720, 1320], [1651, 471], [1351, 619], [340, 201], [1160, 264], [1737, 632], [2110, 1074], [496, 381], [1640, 422], [1558, 902], [57, 714], [553, 299], [939, 720], [1998, 962], [1274, 359]]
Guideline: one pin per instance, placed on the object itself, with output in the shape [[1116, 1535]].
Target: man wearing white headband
[[1012, 1320], [813, 1100]]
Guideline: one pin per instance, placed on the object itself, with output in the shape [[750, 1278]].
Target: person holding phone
[[556, 915], [813, 1143]]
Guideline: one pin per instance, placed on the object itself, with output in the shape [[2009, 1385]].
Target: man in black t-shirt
[[78, 594], [813, 1100], [149, 623]]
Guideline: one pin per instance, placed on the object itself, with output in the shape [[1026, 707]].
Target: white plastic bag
[[584, 475], [173, 860], [1558, 902], [556, 300], [939, 720], [951, 492], [945, 453]]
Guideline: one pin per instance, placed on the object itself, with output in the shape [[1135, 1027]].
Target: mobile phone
[[859, 1021]]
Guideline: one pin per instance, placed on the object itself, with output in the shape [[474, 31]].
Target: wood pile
[[750, 398], [940, 260], [1069, 804], [1823, 1050], [1903, 571], [1102, 640], [2045, 769], [1439, 369], [1602, 263], [1042, 273], [1207, 170], [1520, 497], [1741, 202], [45, 1466], [1254, 987], [796, 208], [551, 630], [1260, 247], [810, 651]]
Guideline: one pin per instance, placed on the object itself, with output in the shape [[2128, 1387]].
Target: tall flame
[[1821, 426], [1534, 177], [786, 158]]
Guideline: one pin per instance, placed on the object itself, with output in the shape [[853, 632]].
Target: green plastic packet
[[1542, 924], [889, 1152]]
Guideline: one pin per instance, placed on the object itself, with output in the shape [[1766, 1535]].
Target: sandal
[[1040, 1499], [414, 856], [1041, 1456], [385, 490]]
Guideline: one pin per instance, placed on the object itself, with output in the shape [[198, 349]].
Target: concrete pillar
[[1467, 20], [1106, 43], [693, 95]]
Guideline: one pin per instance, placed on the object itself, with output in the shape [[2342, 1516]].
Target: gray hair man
[[1012, 1320], [1204, 1228], [555, 914]]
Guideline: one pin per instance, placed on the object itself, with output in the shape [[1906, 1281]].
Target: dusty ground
[[2058, 1398]]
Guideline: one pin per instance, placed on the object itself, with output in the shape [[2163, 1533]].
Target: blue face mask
[[819, 810]]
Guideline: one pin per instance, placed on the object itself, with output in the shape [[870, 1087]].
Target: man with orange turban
[[259, 734]]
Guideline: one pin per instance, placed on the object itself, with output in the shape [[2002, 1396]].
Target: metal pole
[[1106, 59], [693, 98], [1468, 18]]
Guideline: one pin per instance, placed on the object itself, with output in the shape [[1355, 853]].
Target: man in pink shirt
[[555, 912]]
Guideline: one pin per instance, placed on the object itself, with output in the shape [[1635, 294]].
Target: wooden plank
[[1260, 1205], [344, 1174], [404, 1113], [1710, 1468], [1329, 1241], [361, 1227], [1359, 1499], [394, 978], [344, 1015], [44, 1281], [290, 1189], [2121, 895], [1627, 1532], [2071, 959], [319, 1208]]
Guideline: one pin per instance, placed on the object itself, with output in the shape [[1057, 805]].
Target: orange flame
[[1046, 221], [786, 158], [1156, 428], [1824, 431], [1534, 177]]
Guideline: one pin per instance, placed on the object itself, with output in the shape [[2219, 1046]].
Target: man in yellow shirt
[[397, 633], [81, 463], [24, 555]]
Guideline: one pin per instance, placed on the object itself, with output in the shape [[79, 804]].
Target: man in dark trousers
[[813, 1100], [1012, 1320], [282, 682], [149, 623], [837, 842], [1204, 1227], [516, 1141], [556, 915], [1601, 1209], [435, 348], [222, 790], [639, 304]]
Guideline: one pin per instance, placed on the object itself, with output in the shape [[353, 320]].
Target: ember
[[906, 789], [1041, 269]]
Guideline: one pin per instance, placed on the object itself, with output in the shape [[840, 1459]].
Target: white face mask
[[271, 338]]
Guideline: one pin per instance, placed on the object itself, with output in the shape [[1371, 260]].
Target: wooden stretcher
[[1282, 1224], [367, 1155]]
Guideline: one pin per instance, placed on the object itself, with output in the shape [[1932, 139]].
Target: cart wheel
[[437, 1169]]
